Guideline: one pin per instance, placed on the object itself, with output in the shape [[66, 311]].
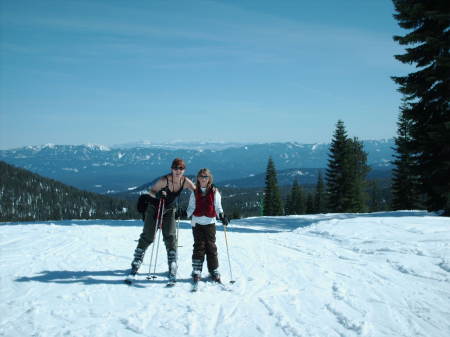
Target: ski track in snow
[[382, 274]]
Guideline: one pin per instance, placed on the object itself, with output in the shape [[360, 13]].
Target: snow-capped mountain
[[102, 169], [177, 145]]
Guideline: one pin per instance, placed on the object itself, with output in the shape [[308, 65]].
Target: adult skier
[[204, 206], [167, 187]]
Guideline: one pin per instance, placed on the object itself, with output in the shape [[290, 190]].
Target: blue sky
[[111, 72]]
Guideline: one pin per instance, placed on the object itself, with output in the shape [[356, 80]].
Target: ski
[[171, 282], [223, 286], [219, 284]]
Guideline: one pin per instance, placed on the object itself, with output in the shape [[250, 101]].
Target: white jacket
[[204, 220]]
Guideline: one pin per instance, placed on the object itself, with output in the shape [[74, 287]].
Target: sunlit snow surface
[[381, 274]]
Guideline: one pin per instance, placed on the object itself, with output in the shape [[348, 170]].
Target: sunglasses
[[204, 177], [178, 168]]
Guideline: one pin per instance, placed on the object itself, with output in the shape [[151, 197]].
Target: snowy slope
[[382, 274]]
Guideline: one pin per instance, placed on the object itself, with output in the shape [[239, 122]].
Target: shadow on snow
[[95, 277]]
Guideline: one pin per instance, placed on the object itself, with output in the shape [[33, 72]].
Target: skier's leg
[[198, 254], [211, 252], [169, 231], [145, 239]]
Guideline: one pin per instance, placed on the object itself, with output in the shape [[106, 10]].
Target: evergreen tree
[[335, 170], [427, 93], [355, 172], [288, 209], [405, 183], [320, 196], [295, 203], [310, 204], [346, 173], [272, 197], [376, 202]]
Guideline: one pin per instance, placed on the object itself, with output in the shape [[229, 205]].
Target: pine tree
[[288, 208], [299, 201], [405, 183], [272, 197], [427, 93], [346, 173], [334, 172], [310, 204], [320, 196], [355, 172], [295, 203]]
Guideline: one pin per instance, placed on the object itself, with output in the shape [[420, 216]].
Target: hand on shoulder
[[189, 184]]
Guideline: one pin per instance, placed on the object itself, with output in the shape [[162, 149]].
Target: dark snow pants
[[169, 230], [205, 243]]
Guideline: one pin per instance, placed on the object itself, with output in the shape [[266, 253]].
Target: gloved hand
[[161, 194], [224, 219]]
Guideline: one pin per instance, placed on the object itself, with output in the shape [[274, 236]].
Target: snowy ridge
[[380, 274]]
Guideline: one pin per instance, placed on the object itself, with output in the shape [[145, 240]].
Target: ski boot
[[135, 264], [172, 262], [215, 276]]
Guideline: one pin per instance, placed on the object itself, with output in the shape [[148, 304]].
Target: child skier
[[204, 206]]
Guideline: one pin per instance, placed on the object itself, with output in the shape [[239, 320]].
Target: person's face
[[178, 170], [203, 179]]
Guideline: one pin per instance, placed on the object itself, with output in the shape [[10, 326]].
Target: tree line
[[344, 189]]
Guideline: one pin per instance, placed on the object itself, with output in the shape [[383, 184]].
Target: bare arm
[[158, 186], [189, 184]]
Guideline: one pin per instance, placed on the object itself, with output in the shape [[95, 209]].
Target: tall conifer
[[405, 182], [427, 93], [334, 172], [346, 173], [272, 197]]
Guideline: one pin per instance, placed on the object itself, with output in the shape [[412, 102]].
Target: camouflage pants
[[169, 230]]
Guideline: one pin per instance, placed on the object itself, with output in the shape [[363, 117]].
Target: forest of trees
[[346, 188], [26, 196]]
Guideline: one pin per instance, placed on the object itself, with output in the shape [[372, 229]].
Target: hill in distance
[[28, 196]]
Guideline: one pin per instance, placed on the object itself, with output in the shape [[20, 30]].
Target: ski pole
[[159, 235], [228, 254], [154, 236]]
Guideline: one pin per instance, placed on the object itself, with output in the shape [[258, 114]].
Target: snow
[[379, 274]]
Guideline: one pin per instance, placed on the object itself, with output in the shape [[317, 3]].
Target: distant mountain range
[[108, 170]]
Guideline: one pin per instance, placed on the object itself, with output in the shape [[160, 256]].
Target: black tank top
[[171, 195]]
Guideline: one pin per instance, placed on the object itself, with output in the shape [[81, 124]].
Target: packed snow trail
[[381, 274]]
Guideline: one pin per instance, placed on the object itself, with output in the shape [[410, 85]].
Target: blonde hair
[[205, 172]]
